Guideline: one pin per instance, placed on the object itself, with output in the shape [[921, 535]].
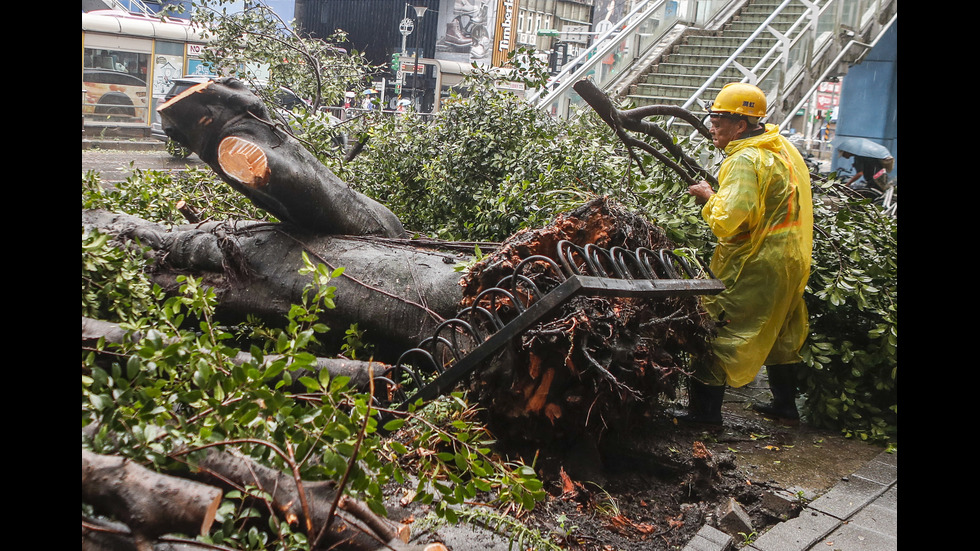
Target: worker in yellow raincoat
[[762, 217]]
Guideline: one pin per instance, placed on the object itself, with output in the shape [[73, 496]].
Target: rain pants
[[762, 217]]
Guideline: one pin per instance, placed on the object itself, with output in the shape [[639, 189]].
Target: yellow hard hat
[[740, 98]]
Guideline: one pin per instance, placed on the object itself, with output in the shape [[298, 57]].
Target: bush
[[853, 301], [484, 167]]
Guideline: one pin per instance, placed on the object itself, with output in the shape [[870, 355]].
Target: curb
[[124, 145]]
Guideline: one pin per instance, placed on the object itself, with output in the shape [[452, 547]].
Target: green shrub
[[853, 302]]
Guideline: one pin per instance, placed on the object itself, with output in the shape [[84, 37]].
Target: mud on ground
[[654, 490]]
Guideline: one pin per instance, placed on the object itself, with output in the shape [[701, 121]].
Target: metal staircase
[[679, 74], [786, 47]]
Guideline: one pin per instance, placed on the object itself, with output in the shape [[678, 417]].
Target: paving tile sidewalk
[[860, 513]]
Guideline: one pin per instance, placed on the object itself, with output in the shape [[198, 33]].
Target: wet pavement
[[116, 160], [849, 488]]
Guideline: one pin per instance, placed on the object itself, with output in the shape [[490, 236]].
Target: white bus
[[129, 60]]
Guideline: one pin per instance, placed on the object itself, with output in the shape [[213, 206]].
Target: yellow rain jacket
[[762, 216]]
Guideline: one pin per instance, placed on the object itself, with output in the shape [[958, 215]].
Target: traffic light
[[395, 59]]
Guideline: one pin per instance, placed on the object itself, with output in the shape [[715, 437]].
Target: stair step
[[681, 91], [784, 17], [687, 69], [687, 81], [655, 100], [745, 28], [708, 51], [711, 60], [731, 42]]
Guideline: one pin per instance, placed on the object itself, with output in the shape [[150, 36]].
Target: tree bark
[[394, 290], [230, 129], [150, 503]]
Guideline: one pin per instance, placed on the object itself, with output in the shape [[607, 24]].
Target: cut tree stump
[[231, 130]]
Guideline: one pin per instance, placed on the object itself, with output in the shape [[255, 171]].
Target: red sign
[[828, 95]]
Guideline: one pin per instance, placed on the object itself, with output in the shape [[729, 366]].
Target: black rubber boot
[[704, 405], [782, 383]]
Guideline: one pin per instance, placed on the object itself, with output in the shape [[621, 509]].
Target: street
[[117, 165]]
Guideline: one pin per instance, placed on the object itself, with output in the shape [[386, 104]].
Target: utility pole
[[406, 27], [419, 12]]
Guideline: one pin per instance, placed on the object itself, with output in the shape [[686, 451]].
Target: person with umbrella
[[871, 160], [762, 217], [368, 102]]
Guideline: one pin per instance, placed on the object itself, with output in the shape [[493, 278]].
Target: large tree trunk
[[394, 290], [230, 129]]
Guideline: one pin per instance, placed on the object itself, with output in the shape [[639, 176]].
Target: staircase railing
[[776, 61], [619, 47], [845, 52], [801, 49]]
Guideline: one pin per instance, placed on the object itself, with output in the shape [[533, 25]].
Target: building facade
[[450, 35]]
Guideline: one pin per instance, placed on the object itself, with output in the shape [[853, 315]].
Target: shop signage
[[506, 15], [828, 95]]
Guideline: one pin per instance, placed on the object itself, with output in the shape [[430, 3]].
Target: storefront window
[[115, 84]]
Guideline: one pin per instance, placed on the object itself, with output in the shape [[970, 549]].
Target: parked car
[[286, 100], [109, 92]]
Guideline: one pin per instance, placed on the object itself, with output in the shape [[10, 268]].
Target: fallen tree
[[590, 366], [597, 364]]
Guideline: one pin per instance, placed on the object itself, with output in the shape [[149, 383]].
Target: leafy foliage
[[155, 196], [485, 166], [114, 287], [853, 302], [167, 397]]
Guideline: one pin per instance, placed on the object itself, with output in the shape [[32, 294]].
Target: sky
[[283, 8]]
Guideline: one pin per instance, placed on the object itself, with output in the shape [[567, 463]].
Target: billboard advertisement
[[476, 31]]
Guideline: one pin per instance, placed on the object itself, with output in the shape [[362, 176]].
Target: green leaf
[[394, 425]]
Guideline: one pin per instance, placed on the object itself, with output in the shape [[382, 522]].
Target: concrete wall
[[869, 99]]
